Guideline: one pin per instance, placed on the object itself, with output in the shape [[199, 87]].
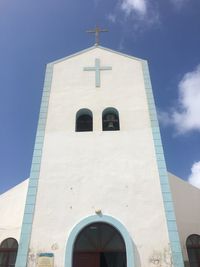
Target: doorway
[[193, 250], [99, 245]]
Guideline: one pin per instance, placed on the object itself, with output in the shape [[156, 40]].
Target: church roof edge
[[182, 181], [94, 47], [11, 189]]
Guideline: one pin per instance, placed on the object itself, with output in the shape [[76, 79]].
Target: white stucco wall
[[112, 171], [12, 205], [186, 203]]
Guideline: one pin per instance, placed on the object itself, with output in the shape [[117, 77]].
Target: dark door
[[8, 252], [84, 259], [193, 250], [99, 245]]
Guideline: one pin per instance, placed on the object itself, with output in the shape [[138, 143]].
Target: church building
[[99, 194]]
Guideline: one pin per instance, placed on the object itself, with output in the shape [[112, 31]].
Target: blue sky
[[165, 32]]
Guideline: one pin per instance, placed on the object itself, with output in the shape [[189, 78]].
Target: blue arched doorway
[[100, 241]]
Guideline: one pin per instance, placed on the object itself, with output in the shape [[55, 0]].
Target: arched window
[[110, 119], [84, 120], [99, 245], [8, 252], [193, 250]]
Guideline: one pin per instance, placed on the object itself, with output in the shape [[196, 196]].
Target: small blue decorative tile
[[32, 190]]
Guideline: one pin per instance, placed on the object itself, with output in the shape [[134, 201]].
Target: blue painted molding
[[99, 218], [164, 182], [22, 255]]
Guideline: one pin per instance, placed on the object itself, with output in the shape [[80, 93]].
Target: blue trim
[[22, 255], [102, 218], [166, 193]]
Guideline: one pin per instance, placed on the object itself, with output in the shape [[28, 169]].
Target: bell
[[111, 125], [110, 118]]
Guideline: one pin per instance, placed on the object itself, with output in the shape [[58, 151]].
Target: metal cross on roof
[[97, 31]]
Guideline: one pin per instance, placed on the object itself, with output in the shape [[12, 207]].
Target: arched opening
[[110, 119], [99, 245], [84, 120], [193, 250], [8, 252]]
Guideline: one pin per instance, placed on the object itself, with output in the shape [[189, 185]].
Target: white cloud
[[194, 177], [112, 17], [186, 116], [143, 13], [164, 118], [138, 6]]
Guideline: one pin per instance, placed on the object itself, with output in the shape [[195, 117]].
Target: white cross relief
[[97, 70]]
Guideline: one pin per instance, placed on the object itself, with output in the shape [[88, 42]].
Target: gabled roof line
[[93, 47]]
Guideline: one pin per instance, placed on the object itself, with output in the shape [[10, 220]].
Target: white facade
[[12, 209], [186, 202], [112, 171], [184, 196], [82, 173]]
